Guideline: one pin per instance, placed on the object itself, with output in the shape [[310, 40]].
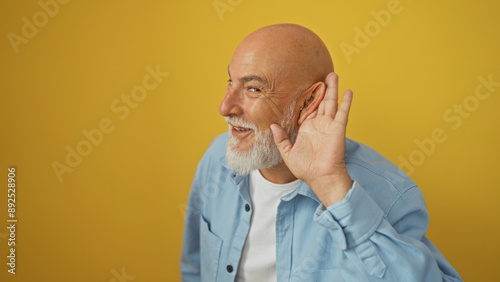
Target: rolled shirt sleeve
[[371, 243]]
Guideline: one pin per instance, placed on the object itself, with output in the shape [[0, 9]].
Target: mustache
[[239, 122]]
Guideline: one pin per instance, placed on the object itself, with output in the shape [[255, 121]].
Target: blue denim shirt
[[376, 233]]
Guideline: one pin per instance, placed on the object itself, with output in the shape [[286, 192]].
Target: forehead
[[257, 58], [247, 76], [254, 66]]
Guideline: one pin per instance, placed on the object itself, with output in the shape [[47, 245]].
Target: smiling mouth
[[240, 128], [240, 131]]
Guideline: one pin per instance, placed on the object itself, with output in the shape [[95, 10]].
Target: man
[[285, 196]]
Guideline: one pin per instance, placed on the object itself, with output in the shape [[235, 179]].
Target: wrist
[[332, 189]]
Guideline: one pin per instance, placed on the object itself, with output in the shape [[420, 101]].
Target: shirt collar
[[303, 190]]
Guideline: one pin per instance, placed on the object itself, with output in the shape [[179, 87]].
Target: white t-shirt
[[258, 260]]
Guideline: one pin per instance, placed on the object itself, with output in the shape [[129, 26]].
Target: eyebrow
[[249, 78], [253, 78]]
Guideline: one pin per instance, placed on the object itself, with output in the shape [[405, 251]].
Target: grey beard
[[263, 152]]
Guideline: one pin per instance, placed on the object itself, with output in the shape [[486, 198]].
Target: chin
[[241, 145], [247, 155], [241, 149]]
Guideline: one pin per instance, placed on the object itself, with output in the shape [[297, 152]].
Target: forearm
[[373, 245]]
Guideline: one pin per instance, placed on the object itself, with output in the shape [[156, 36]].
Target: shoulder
[[383, 181], [364, 159], [217, 148], [210, 171], [215, 155], [218, 145]]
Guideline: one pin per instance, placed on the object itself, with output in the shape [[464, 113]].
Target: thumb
[[281, 141]]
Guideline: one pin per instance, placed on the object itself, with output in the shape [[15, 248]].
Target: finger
[[329, 104], [343, 112], [281, 140]]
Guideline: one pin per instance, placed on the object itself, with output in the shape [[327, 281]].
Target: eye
[[229, 82], [254, 89]]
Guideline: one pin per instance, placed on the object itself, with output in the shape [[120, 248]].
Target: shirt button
[[247, 207], [229, 268]]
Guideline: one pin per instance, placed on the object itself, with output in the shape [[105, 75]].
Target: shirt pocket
[[323, 275], [210, 249]]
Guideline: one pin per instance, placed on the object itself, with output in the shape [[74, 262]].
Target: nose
[[232, 102]]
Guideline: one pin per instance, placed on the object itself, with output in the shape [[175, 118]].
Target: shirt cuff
[[351, 220]]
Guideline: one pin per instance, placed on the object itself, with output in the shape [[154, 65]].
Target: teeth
[[240, 129]]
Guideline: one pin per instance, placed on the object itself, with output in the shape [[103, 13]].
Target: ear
[[311, 100]]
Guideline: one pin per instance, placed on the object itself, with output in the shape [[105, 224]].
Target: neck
[[279, 174]]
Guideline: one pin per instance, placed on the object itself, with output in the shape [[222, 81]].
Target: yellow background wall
[[117, 213]]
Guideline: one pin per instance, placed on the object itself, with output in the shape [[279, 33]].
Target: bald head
[[276, 76], [290, 53]]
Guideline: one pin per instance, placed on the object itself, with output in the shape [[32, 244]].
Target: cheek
[[275, 105], [263, 113]]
